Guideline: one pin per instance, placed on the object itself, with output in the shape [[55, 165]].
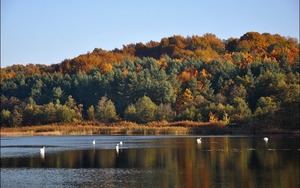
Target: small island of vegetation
[[180, 85]]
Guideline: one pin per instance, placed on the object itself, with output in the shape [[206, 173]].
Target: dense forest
[[251, 81]]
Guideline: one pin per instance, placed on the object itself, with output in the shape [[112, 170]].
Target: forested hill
[[249, 80]]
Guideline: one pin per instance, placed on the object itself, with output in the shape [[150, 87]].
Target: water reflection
[[183, 162]]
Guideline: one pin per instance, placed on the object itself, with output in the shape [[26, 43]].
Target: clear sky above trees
[[47, 32]]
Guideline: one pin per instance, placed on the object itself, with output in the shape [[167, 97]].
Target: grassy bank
[[129, 128]]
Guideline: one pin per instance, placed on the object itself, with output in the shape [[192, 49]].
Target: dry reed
[[92, 128], [130, 128]]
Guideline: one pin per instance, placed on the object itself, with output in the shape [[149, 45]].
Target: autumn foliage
[[198, 78]]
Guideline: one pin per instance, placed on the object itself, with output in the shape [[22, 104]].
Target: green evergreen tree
[[145, 110], [130, 113], [266, 106], [106, 111], [49, 113], [241, 109], [190, 113], [65, 114], [16, 117]]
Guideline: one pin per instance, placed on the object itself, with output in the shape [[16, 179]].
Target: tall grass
[[92, 128], [127, 128]]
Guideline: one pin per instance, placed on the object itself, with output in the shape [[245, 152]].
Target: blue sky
[[49, 31]]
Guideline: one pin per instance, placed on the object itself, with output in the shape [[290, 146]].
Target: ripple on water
[[78, 177]]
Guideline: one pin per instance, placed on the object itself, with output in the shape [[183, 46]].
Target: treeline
[[252, 80], [251, 47]]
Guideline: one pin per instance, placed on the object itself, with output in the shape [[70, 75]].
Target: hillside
[[250, 81]]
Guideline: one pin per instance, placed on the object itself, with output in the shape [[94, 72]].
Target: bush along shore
[[130, 128]]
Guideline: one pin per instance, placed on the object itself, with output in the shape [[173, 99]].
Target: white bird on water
[[266, 139], [121, 143], [42, 150], [94, 142], [117, 148], [199, 140]]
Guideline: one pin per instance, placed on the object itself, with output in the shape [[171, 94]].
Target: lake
[[150, 161]]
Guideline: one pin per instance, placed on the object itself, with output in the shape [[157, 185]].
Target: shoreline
[[130, 128]]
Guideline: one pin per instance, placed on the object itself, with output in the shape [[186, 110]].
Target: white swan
[[266, 139], [42, 150], [199, 140], [94, 142], [121, 143], [117, 148]]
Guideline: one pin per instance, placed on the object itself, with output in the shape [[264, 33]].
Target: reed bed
[[94, 128], [131, 128]]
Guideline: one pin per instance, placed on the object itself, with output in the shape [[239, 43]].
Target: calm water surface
[[150, 161]]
